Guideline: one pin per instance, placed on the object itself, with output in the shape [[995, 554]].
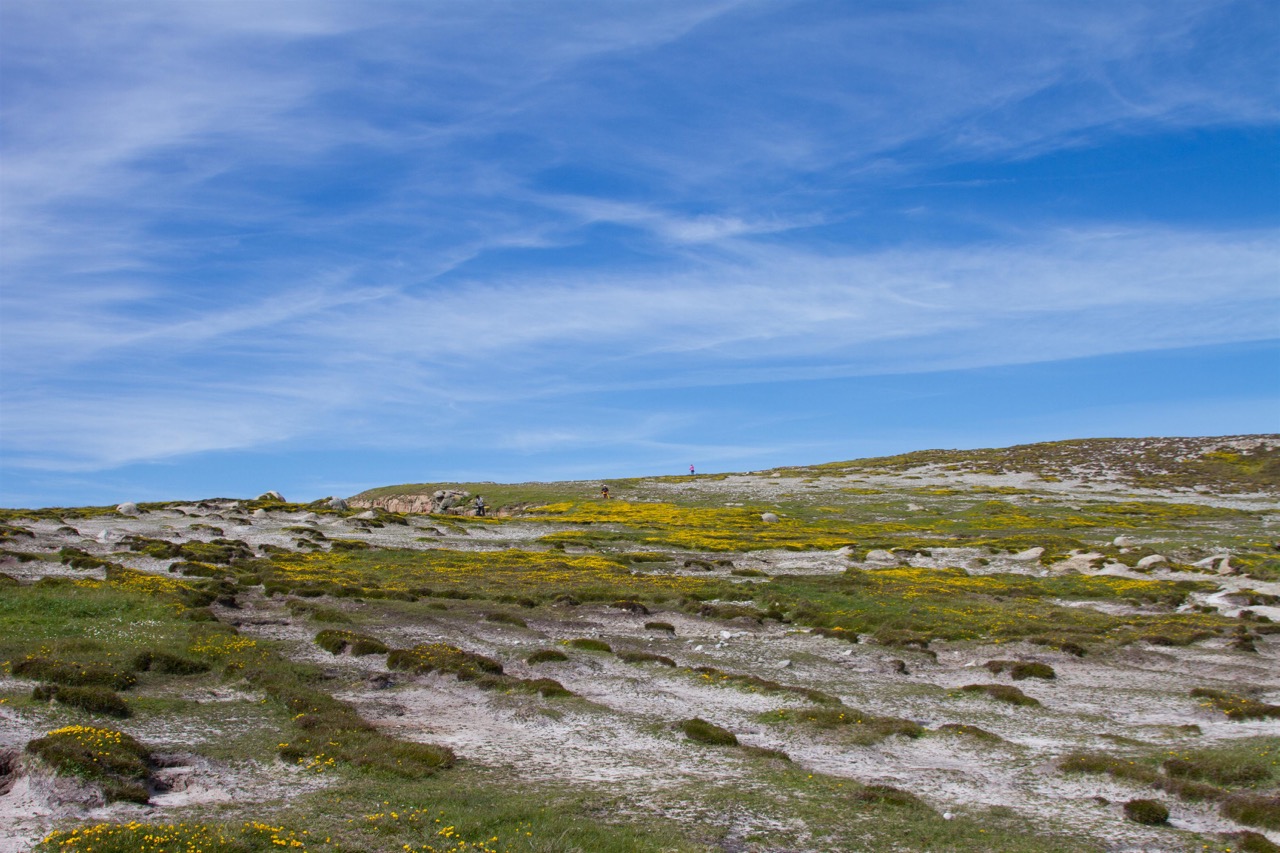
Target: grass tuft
[[700, 731]]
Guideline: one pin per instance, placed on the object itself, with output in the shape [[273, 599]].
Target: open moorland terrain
[[1054, 647]]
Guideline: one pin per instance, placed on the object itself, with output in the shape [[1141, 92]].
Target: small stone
[[784, 664], [1124, 542], [367, 514], [914, 508], [769, 517], [127, 508], [259, 513], [948, 816], [879, 555], [1028, 555], [1151, 560]]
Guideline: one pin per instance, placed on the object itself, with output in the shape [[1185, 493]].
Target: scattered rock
[[127, 508], [271, 496], [784, 664], [1028, 555], [914, 508], [259, 513], [769, 517], [338, 504], [1124, 542], [1151, 560], [879, 555], [367, 514], [107, 535]]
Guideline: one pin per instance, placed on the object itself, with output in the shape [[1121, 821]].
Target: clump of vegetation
[[336, 642], [1003, 693], [645, 657], [631, 606], [764, 685], [969, 731], [151, 660], [250, 837], [699, 730], [95, 700], [442, 657], [73, 674], [862, 727], [546, 656], [1253, 810], [660, 626], [1020, 670], [590, 645], [1247, 841], [1236, 707], [1149, 812], [888, 795], [319, 613], [112, 759]]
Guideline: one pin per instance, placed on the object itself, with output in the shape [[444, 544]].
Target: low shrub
[[1253, 810], [590, 645], [73, 674], [546, 656], [1149, 812], [546, 687], [336, 642], [1003, 693], [660, 626], [864, 728], [1247, 841], [631, 606], [699, 730], [1233, 770], [107, 757], [1236, 707], [887, 795], [442, 657], [95, 700], [645, 657], [969, 731], [1020, 670], [168, 663]]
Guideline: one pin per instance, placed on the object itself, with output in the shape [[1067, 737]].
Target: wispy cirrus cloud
[[227, 225]]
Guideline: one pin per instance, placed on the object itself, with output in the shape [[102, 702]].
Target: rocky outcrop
[[440, 501]]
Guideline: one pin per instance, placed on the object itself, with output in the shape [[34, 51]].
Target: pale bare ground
[[618, 730]]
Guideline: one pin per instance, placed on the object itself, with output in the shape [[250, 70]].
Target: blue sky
[[317, 247]]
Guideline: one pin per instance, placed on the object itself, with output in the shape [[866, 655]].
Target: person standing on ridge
[[690, 470], [479, 505]]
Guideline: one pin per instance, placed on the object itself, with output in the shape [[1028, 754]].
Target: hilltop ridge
[[1243, 466]]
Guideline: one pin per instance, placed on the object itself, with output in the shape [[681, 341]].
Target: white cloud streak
[[171, 284]]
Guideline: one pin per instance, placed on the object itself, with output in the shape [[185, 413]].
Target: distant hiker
[[604, 492], [690, 470], [479, 505]]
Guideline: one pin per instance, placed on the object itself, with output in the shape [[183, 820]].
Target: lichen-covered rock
[[271, 496], [127, 508], [769, 517]]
